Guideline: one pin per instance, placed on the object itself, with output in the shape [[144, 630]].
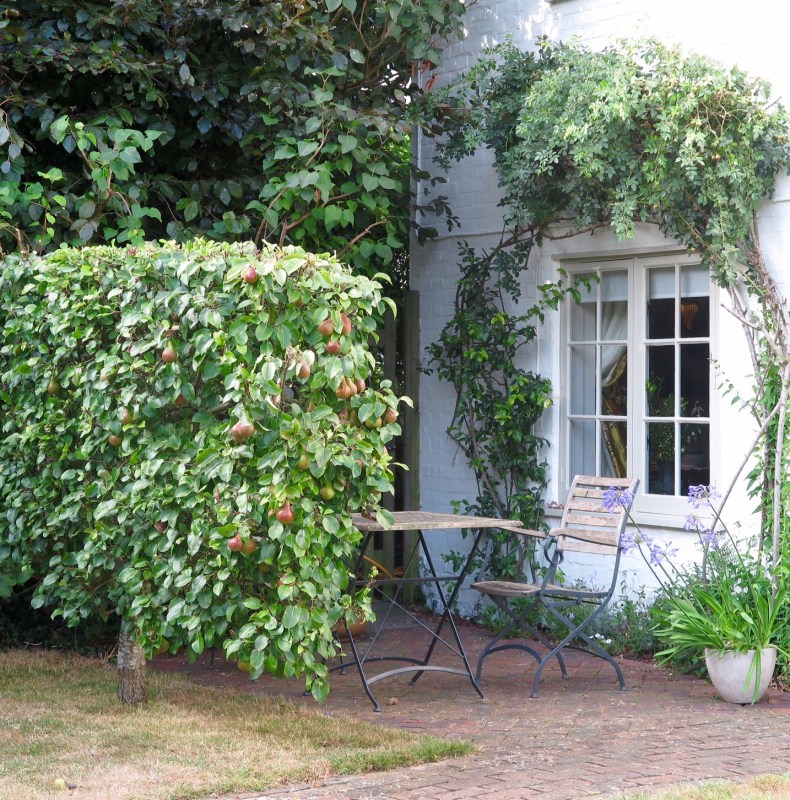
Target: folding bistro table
[[447, 587]]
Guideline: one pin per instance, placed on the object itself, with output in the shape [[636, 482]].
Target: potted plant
[[728, 610]]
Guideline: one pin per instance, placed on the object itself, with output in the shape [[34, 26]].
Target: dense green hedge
[[276, 121], [162, 407]]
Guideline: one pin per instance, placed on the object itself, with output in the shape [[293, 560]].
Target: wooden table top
[[430, 520]]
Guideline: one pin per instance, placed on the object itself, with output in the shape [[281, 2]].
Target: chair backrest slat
[[584, 515], [599, 521]]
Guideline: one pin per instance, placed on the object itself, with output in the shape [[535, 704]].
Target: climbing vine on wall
[[640, 133]]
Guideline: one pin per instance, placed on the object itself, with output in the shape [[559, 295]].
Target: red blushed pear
[[360, 384], [344, 390], [251, 275], [390, 416], [127, 418], [326, 327], [346, 323], [235, 544], [169, 354], [248, 547], [242, 431], [333, 347], [304, 370], [114, 440], [285, 514]]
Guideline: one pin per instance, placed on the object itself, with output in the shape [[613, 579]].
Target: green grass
[[765, 787], [61, 720]]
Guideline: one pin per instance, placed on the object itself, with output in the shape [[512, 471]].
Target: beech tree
[[185, 434], [276, 121]]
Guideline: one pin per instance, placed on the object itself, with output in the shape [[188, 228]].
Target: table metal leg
[[447, 604]]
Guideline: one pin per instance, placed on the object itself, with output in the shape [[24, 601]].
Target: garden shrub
[[185, 433], [283, 122]]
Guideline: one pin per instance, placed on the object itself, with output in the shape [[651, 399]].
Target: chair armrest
[[594, 538], [524, 531]]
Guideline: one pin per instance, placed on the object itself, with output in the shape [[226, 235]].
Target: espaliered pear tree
[[183, 443]]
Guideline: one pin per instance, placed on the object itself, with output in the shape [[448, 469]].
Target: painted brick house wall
[[751, 35]]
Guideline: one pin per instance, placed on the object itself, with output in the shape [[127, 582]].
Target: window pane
[[582, 375], [694, 380], [614, 451], [582, 447], [661, 457], [614, 305], [614, 380], [694, 317], [661, 381], [661, 303], [695, 455], [694, 303], [583, 314]]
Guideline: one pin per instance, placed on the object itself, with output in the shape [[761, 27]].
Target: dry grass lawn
[[766, 787], [61, 722]]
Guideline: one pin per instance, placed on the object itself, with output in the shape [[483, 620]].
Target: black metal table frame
[[427, 521]]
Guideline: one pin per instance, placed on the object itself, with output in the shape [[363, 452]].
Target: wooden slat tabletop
[[429, 520]]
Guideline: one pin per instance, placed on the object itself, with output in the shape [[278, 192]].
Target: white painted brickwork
[[753, 36]]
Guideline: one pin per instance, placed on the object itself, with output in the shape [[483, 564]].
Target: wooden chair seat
[[517, 589]]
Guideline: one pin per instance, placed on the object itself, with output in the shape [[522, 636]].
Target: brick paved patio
[[581, 738]]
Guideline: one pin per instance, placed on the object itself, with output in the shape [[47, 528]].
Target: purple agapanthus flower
[[709, 538], [631, 539], [614, 498], [659, 552], [702, 495], [695, 524]]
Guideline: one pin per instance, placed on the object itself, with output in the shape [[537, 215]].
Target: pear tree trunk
[[132, 688]]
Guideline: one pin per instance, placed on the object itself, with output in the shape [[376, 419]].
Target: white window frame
[[662, 510]]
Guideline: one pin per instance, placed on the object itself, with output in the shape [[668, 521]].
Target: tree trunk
[[131, 669]]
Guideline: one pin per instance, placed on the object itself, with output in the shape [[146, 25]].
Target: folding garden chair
[[586, 527]]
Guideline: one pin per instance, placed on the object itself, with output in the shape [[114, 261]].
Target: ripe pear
[[242, 431], [326, 327], [285, 514], [169, 354]]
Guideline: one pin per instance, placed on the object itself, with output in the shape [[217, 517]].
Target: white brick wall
[[753, 36]]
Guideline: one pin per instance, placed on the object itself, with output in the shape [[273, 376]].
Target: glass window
[[598, 376], [638, 363]]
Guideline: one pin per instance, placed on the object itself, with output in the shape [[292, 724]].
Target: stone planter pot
[[728, 672]]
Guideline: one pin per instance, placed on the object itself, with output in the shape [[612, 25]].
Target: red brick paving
[[581, 738]]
